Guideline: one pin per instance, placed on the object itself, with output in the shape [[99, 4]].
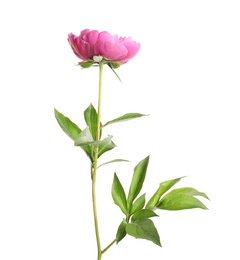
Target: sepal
[[86, 64]]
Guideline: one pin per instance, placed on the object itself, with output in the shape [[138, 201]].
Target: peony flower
[[94, 46]]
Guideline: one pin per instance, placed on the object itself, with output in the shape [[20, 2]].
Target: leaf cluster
[[86, 138], [137, 222]]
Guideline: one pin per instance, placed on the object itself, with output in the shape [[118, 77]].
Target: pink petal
[[91, 38], [106, 37], [71, 41], [84, 32], [132, 47], [79, 47], [83, 49], [123, 39], [111, 51]]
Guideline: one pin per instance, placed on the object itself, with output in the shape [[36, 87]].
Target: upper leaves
[[90, 116], [73, 131], [125, 117], [113, 161], [105, 145], [87, 139], [84, 138], [70, 128]]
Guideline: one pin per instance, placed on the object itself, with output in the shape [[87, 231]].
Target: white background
[[186, 76]]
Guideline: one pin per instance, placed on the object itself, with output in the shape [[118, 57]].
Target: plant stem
[[95, 164], [99, 101], [105, 249]]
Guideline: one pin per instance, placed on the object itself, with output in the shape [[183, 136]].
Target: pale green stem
[[112, 243], [94, 174]]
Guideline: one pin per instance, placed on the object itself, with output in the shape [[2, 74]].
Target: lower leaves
[[137, 222], [182, 198], [143, 214], [144, 229], [118, 195], [121, 232]]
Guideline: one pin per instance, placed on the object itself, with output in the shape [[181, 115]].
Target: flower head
[[112, 48]]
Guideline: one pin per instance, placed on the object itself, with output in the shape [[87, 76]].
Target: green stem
[[94, 174], [112, 243]]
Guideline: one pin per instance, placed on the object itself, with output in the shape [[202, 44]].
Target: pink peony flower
[[111, 47]]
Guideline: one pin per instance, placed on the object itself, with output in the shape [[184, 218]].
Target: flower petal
[[106, 37], [91, 38], [132, 47], [79, 47], [111, 51], [84, 32]]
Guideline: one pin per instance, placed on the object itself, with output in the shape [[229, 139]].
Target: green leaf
[[142, 214], [138, 204], [144, 229], [90, 116], [113, 161], [180, 201], [105, 145], [85, 141], [85, 138], [164, 187], [111, 66], [188, 191], [88, 149], [121, 232], [124, 118], [70, 128], [137, 181], [118, 194]]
